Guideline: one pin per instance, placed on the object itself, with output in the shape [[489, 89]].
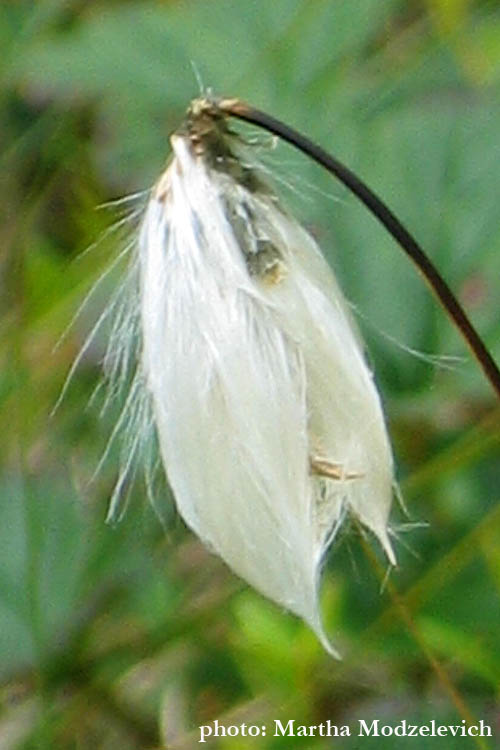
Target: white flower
[[269, 424]]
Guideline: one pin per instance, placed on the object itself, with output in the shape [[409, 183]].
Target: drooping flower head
[[269, 424]]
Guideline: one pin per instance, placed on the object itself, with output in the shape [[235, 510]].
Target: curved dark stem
[[384, 214]]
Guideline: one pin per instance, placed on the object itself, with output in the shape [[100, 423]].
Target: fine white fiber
[[269, 424]]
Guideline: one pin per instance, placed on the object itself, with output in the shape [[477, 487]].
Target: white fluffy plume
[[269, 424]]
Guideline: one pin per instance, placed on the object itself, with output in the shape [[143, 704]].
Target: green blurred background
[[130, 637]]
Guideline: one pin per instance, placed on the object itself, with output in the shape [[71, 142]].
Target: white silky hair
[[253, 375]]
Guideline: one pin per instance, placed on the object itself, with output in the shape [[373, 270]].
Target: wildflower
[[269, 424]]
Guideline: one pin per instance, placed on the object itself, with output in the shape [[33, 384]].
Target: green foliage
[[129, 637]]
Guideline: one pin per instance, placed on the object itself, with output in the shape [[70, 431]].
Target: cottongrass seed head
[[268, 422]]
